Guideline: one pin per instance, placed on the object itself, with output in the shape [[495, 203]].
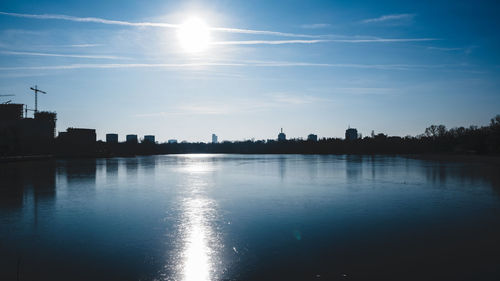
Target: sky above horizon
[[394, 67]]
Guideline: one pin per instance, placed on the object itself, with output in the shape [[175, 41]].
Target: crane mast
[[36, 90]]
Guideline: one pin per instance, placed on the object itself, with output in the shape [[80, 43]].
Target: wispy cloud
[[233, 64], [365, 91], [150, 24], [88, 45], [317, 38], [466, 50], [281, 42], [373, 40], [17, 31], [264, 32], [269, 42], [444, 49], [386, 18], [117, 65], [88, 19], [62, 55], [315, 25]]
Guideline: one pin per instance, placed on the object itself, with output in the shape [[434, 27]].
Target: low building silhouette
[[149, 139], [112, 138], [131, 139], [78, 136], [281, 136], [77, 142], [351, 134], [172, 141]]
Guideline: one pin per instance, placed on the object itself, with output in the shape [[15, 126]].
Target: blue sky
[[307, 66]]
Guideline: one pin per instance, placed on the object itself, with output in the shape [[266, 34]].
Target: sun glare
[[194, 35]]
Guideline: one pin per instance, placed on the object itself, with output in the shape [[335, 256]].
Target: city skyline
[[131, 68]]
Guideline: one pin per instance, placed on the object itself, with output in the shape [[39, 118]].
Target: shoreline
[[439, 157]]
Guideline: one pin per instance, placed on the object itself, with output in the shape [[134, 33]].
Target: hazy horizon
[[243, 70]]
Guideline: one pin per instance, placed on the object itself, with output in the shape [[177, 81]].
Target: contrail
[[280, 42], [268, 42], [89, 19], [218, 29], [230, 64], [150, 24], [62, 55]]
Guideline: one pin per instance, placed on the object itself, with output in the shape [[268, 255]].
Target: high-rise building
[[281, 136], [214, 138], [351, 134], [112, 138]]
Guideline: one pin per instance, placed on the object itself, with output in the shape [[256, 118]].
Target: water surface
[[249, 217]]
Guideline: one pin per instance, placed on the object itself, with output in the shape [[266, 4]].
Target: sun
[[194, 35]]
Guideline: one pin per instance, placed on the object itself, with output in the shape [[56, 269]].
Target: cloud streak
[[316, 38], [88, 19], [281, 42], [151, 24], [386, 18], [117, 65], [315, 25], [269, 42], [62, 55], [444, 49], [231, 64]]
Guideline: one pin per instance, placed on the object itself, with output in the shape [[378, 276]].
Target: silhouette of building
[[351, 134], [20, 135], [312, 137], [11, 111], [281, 136], [172, 141], [46, 122], [78, 136], [77, 142], [131, 138], [149, 138], [112, 138], [214, 138]]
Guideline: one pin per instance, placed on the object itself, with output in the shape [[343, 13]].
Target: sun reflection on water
[[198, 243], [196, 256]]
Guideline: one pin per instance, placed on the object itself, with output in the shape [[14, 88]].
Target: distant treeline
[[435, 139]]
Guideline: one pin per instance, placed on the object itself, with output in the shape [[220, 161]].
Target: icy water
[[249, 217]]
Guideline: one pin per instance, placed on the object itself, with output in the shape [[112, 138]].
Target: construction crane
[[36, 90]]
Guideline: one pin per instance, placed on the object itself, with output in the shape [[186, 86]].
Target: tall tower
[[281, 136]]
